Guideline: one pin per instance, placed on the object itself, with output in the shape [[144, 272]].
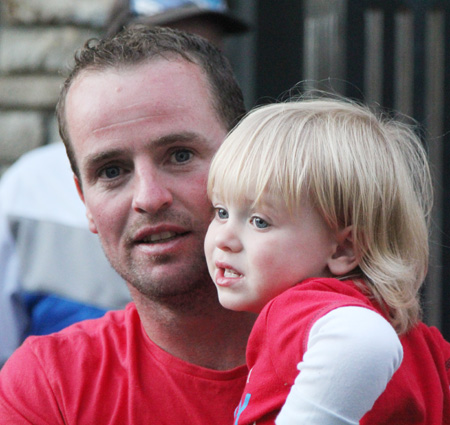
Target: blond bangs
[[260, 155]]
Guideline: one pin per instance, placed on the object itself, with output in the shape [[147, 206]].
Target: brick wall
[[37, 41]]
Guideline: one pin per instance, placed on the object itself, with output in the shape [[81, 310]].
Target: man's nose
[[151, 191]]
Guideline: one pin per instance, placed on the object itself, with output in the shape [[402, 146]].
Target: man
[[52, 269], [141, 116]]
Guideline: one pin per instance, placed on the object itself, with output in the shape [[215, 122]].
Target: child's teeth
[[230, 273]]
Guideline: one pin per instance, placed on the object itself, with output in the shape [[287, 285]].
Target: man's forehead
[[169, 60], [177, 77], [159, 92], [167, 83]]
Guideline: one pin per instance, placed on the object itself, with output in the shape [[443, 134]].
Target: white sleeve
[[351, 355]]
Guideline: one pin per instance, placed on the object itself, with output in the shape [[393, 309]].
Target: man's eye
[[111, 172], [259, 223], [181, 156], [222, 213]]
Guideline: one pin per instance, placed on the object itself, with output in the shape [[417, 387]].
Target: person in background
[[141, 115], [210, 19], [321, 227], [52, 269]]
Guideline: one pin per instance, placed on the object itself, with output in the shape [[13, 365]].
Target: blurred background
[[395, 53]]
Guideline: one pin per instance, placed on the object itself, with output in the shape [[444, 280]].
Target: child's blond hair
[[358, 168]]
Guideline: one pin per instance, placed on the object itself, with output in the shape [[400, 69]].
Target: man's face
[[143, 138]]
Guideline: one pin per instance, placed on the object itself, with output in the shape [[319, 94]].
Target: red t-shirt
[[107, 371], [418, 392]]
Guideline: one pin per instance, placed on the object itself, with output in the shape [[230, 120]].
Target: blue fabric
[[50, 313]]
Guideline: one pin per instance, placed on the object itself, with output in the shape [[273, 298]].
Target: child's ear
[[344, 258]]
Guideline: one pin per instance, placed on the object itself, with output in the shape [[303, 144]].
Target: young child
[[321, 210]]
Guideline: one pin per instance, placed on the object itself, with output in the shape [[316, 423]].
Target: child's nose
[[227, 237]]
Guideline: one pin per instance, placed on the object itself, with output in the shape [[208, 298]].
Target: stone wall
[[37, 42]]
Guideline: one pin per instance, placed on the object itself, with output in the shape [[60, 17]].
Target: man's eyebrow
[[171, 139], [98, 158]]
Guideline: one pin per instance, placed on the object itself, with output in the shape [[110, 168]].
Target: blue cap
[[164, 12]]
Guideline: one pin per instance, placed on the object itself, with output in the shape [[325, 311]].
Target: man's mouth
[[159, 237]]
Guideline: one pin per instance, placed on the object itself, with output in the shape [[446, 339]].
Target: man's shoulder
[[109, 333], [54, 372]]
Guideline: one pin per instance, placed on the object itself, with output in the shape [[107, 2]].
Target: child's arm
[[351, 356]]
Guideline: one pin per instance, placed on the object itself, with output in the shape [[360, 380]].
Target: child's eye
[[259, 222], [222, 213]]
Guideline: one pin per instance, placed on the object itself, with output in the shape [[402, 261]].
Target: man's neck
[[206, 335]]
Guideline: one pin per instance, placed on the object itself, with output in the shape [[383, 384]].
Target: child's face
[[254, 254]]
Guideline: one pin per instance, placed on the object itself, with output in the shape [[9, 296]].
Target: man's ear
[[78, 186], [92, 226], [344, 258]]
